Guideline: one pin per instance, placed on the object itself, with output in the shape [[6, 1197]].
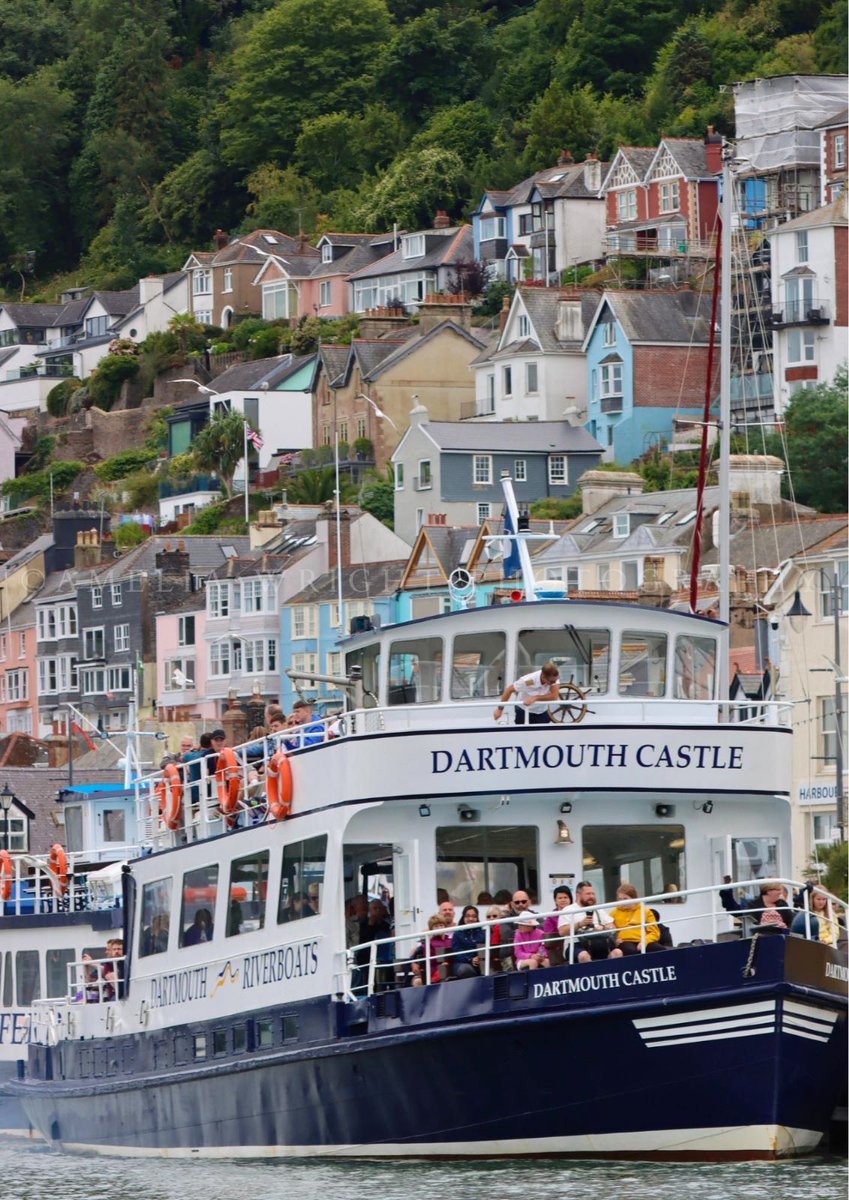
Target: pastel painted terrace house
[[454, 468], [545, 226], [647, 358], [324, 291], [225, 281], [425, 261], [664, 202], [537, 370]]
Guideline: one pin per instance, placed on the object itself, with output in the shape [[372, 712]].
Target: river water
[[35, 1173]]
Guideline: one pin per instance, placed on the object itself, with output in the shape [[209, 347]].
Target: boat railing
[[34, 885], [412, 959]]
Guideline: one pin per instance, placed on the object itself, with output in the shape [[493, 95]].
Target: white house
[[809, 299], [537, 370], [160, 299]]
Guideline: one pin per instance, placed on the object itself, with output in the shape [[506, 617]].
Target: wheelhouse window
[[302, 879], [367, 658], [155, 917], [415, 671], [248, 889], [754, 858], [642, 665], [57, 963], [477, 665], [695, 668], [651, 857], [582, 655], [471, 859], [27, 977], [197, 909]]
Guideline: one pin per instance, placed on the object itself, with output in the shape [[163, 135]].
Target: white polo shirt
[[530, 686]]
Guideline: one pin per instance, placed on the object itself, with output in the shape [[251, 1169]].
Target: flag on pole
[[512, 561], [255, 438]]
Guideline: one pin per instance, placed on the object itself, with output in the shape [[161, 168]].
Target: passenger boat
[[272, 1038]]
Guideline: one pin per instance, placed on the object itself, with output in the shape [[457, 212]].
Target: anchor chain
[[749, 970]]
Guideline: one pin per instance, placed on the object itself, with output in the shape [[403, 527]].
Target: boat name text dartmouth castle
[[591, 754]]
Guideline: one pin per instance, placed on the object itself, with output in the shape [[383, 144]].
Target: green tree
[[466, 129], [283, 200], [553, 509], [435, 59], [413, 188], [814, 444], [197, 196], [377, 496], [220, 447], [317, 485], [298, 60], [337, 149], [612, 45], [830, 38], [33, 33]]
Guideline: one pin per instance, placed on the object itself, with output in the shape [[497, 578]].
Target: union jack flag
[[255, 438]]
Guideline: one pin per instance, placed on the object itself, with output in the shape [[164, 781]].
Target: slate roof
[[255, 247], [37, 546], [567, 182], [455, 245], [370, 353], [293, 539], [361, 581], [334, 359], [358, 256], [117, 304], [37, 787], [250, 565], [543, 437], [841, 117], [415, 341], [770, 545], [662, 317], [541, 307], [247, 376], [831, 214], [691, 156], [206, 553]]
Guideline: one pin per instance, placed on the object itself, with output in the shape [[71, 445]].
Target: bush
[[265, 343], [130, 534], [141, 490], [243, 332], [41, 454], [124, 464], [59, 397], [105, 384], [364, 447], [37, 485], [554, 509], [208, 520]]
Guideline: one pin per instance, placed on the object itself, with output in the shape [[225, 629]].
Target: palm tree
[[220, 446], [317, 485]]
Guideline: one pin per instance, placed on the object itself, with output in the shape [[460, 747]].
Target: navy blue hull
[[532, 1063]]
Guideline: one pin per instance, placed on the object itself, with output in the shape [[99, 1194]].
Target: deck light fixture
[[468, 814], [563, 837], [566, 807], [424, 810], [707, 807]]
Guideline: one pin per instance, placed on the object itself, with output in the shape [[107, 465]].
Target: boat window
[[7, 980], [200, 887], [415, 671], [26, 975], [56, 962], [473, 859], [582, 655], [368, 658], [240, 1038], [73, 827], [642, 665], [248, 891], [695, 668], [651, 857], [114, 823], [754, 858], [302, 879], [477, 665], [199, 1045], [219, 1041], [290, 1028], [155, 917], [264, 1033]]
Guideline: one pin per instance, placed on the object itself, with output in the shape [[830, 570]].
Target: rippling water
[[34, 1173]]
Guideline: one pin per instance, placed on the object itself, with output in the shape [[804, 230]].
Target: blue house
[[311, 623], [646, 358]]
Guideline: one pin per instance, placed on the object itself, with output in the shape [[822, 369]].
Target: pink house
[[316, 283], [18, 680], [181, 662]]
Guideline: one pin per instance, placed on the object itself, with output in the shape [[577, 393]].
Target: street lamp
[[7, 799], [797, 609]]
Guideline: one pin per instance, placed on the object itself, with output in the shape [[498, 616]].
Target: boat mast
[[724, 530], [521, 539]]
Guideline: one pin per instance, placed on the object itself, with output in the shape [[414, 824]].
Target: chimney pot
[[220, 239], [565, 158], [441, 220]]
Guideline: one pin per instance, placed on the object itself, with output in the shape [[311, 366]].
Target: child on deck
[[529, 948]]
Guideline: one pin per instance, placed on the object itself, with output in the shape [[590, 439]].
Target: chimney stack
[[592, 173], [565, 159], [220, 239], [504, 314], [713, 150], [441, 220], [87, 550]]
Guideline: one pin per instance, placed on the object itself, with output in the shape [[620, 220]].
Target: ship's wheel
[[572, 707]]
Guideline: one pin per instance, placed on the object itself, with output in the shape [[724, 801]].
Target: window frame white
[[531, 379], [414, 246], [121, 634], [482, 470], [554, 476], [520, 470], [202, 281]]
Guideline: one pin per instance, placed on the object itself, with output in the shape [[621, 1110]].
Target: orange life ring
[[228, 776], [280, 789], [7, 874], [58, 864], [169, 793]]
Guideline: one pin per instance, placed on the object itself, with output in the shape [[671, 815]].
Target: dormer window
[[524, 327], [609, 333], [414, 245], [621, 525], [327, 253]]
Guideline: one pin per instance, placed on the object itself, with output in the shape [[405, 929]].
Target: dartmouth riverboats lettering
[[178, 987], [15, 1029], [604, 982], [276, 966], [587, 754]]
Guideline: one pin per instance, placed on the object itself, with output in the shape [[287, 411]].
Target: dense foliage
[[814, 446], [131, 129]]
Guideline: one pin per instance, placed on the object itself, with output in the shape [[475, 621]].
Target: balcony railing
[[632, 242], [799, 312], [187, 487], [41, 371]]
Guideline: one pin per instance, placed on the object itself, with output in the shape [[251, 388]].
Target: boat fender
[[58, 865], [7, 874], [228, 778], [169, 793], [280, 789]]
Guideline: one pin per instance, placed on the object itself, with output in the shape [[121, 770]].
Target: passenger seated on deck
[[628, 919], [112, 971], [467, 946], [155, 937], [438, 945], [826, 926], [593, 927], [551, 925], [769, 909], [528, 947], [200, 929]]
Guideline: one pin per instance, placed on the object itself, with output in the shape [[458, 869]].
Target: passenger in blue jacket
[[466, 946], [305, 729]]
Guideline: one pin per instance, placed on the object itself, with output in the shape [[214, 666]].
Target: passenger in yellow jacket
[[628, 918]]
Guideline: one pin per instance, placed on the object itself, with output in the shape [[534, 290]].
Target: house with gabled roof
[[425, 262], [325, 292], [834, 132], [647, 361], [545, 225], [454, 468], [537, 369]]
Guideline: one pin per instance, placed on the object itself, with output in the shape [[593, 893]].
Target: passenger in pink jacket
[[529, 947]]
